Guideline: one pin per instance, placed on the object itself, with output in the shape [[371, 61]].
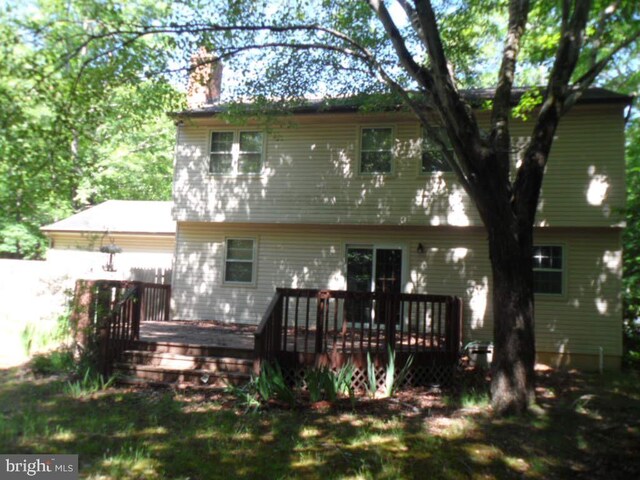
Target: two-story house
[[332, 198]]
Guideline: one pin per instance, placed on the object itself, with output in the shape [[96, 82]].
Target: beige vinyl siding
[[589, 313], [584, 183], [311, 175], [143, 257], [455, 261], [128, 243]]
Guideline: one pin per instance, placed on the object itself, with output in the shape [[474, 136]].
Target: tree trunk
[[513, 379]]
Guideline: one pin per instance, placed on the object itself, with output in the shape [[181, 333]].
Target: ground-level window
[[548, 267], [376, 150], [239, 260]]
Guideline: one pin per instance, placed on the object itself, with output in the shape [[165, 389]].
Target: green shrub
[[90, 383], [59, 361], [372, 380], [392, 381], [325, 384], [271, 385]]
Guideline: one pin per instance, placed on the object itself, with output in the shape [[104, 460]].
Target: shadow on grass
[[588, 429]]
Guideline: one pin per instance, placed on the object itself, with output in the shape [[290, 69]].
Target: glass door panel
[[359, 279], [372, 269]]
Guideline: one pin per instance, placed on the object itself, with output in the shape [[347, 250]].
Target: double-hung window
[[548, 266], [236, 152], [239, 264], [376, 150], [433, 155]]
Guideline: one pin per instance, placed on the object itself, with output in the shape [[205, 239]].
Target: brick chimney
[[205, 79]]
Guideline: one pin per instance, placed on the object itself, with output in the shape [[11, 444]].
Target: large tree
[[422, 52]]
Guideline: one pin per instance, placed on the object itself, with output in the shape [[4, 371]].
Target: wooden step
[[177, 361], [193, 349], [150, 374]]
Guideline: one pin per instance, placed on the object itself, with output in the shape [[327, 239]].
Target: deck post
[[139, 308], [453, 326], [321, 298], [83, 314], [277, 327], [388, 304], [167, 303], [140, 295], [104, 298]]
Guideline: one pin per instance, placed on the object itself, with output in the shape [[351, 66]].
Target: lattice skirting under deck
[[421, 375]]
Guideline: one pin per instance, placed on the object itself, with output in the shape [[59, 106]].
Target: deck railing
[[327, 327], [114, 310], [119, 328]]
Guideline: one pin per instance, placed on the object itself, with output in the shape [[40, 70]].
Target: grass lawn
[[588, 427]]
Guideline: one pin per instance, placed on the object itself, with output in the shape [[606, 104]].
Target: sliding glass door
[[371, 269]]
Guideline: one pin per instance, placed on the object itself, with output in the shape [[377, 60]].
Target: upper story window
[[236, 152], [239, 264], [376, 150], [548, 264], [433, 157]]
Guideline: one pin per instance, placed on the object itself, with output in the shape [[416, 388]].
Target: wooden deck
[[300, 328], [210, 334], [218, 334]]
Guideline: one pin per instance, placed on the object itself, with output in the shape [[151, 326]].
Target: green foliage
[[322, 384], [40, 336], [271, 385], [319, 384], [325, 384], [392, 380], [56, 362], [91, 382], [246, 395], [78, 124], [372, 380], [154, 435], [468, 398]]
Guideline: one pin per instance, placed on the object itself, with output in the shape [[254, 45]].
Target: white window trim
[[563, 270], [254, 262], [392, 171], [235, 152]]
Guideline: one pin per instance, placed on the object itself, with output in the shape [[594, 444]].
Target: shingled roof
[[476, 97], [120, 216]]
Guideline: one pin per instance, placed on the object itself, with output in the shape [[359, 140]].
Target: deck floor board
[[214, 334]]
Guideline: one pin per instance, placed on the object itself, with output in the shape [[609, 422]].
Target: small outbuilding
[[117, 239]]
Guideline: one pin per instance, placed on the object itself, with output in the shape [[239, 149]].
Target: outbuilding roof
[[120, 216]]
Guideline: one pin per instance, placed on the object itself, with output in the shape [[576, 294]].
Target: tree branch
[[530, 174], [518, 12], [587, 78], [423, 77], [418, 73], [413, 18], [458, 117], [501, 113]]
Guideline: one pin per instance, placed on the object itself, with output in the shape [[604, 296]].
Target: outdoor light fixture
[[420, 248], [111, 250]]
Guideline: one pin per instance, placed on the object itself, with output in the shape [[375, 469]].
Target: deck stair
[[183, 365]]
